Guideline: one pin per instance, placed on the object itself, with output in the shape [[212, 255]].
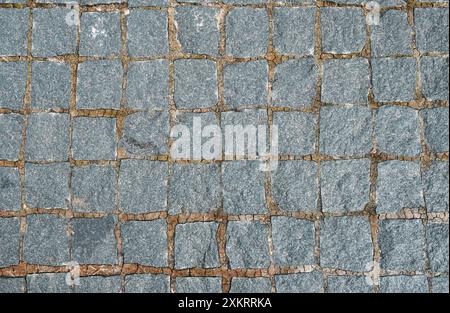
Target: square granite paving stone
[[196, 245], [431, 29], [50, 85], [47, 185], [13, 78], [346, 81], [94, 138], [345, 185], [434, 75], [99, 84], [48, 283], [46, 240], [195, 84], [148, 85], [403, 284], [93, 188], [100, 34], [394, 80], [346, 243], [52, 35], [295, 83], [243, 187], [436, 129], [399, 186], [147, 41], [393, 35], [93, 240], [11, 126], [145, 242], [247, 32], [345, 131], [437, 244], [198, 30], [402, 245], [343, 30], [147, 283], [14, 32], [12, 285], [295, 186], [99, 284], [145, 133], [247, 244], [349, 284], [246, 84], [47, 137], [294, 30], [251, 285], [311, 282], [138, 3], [10, 196], [9, 241], [397, 131], [435, 180], [198, 284], [143, 186], [293, 241], [439, 284], [194, 188]]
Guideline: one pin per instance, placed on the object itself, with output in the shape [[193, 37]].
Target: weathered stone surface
[[431, 29], [434, 75], [12, 285], [99, 284], [299, 283], [437, 243], [14, 32], [440, 284], [100, 34], [10, 197], [403, 284], [436, 186], [147, 283], [198, 285], [436, 129], [10, 136], [138, 3], [9, 241], [250, 285], [349, 284], [48, 283], [13, 78]]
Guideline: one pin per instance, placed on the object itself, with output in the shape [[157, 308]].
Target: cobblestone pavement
[[358, 203]]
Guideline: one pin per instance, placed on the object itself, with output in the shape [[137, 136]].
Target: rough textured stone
[[145, 242], [434, 75], [436, 186], [295, 186], [12, 285], [50, 85], [349, 284], [94, 138], [99, 84], [137, 3], [147, 41], [100, 34], [48, 283], [250, 285], [14, 32], [196, 245], [246, 84], [93, 188], [47, 185], [440, 284], [147, 283], [10, 136], [96, 2], [52, 35], [198, 30], [13, 78], [402, 245], [343, 30], [437, 243], [403, 284], [397, 131], [194, 188], [198, 284], [195, 83], [398, 186], [247, 32], [247, 244], [293, 241], [295, 83], [294, 30], [346, 243], [345, 131], [93, 240], [99, 284], [243, 187], [345, 185], [394, 79], [299, 283], [346, 81], [10, 197], [436, 129], [148, 85], [431, 29], [9, 241]]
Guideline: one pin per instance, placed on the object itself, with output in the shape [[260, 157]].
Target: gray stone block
[[196, 245], [349, 284], [293, 241], [47, 185], [437, 244], [14, 32], [434, 75], [403, 284], [436, 129], [199, 285], [138, 3], [402, 245], [48, 283], [398, 186], [10, 136], [382, 3], [145, 242], [247, 244], [436, 187], [250, 285], [10, 197], [440, 284], [100, 34], [299, 283], [9, 241], [345, 185], [99, 284], [243, 1], [295, 83], [96, 2], [13, 78], [12, 285], [147, 283], [431, 29]]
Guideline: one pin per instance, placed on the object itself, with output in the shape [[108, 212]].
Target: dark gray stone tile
[[10, 197], [436, 187], [9, 241], [48, 283], [10, 136], [147, 283], [404, 284], [99, 284], [14, 32], [436, 129], [434, 75], [431, 29], [299, 283], [13, 78], [138, 3], [437, 243], [349, 284], [198, 285], [440, 284], [250, 285], [12, 285], [100, 34]]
